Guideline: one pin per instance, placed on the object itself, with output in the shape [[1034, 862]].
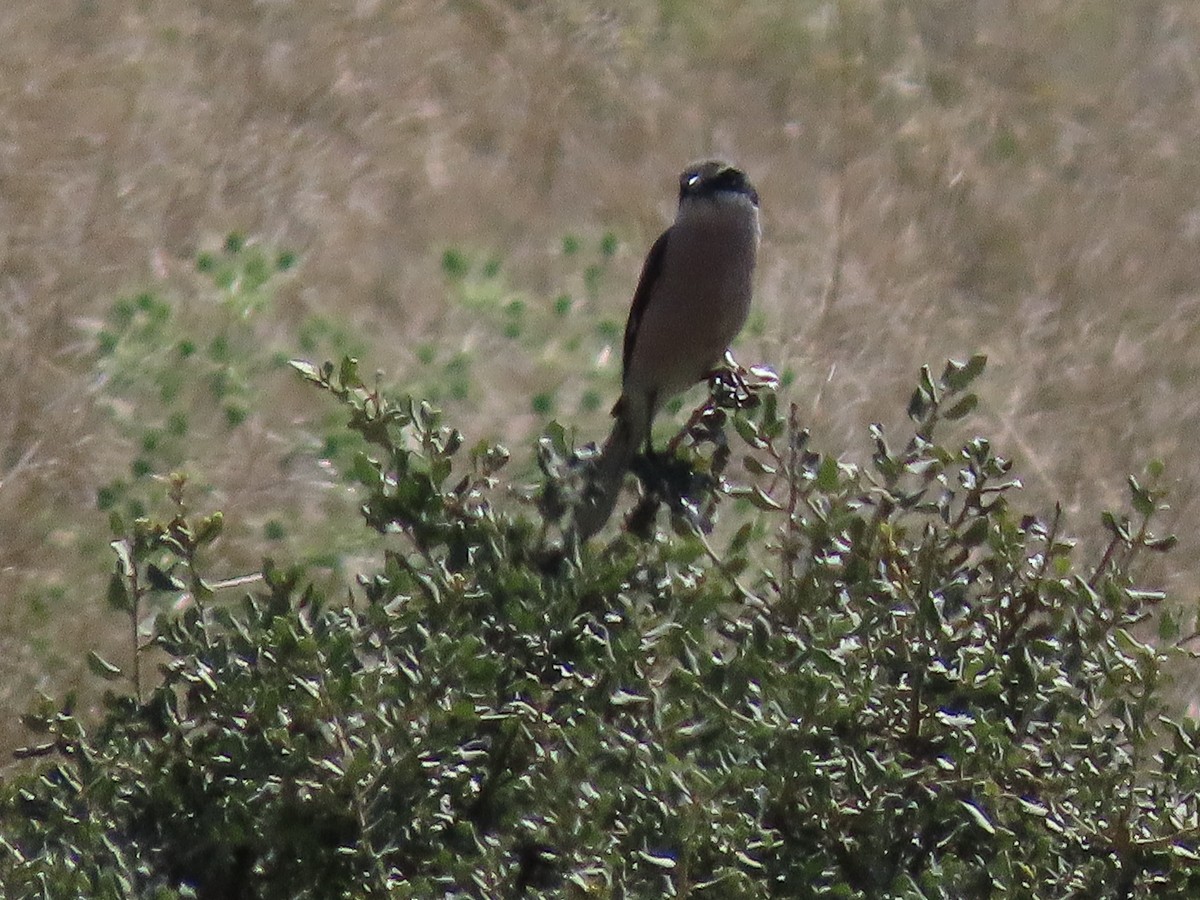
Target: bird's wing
[[650, 272]]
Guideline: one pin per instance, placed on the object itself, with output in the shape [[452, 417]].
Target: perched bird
[[691, 301]]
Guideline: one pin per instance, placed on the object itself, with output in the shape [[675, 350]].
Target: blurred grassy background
[[461, 193]]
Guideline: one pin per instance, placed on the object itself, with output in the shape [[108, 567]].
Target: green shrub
[[869, 681]]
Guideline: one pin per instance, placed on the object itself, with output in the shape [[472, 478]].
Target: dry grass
[[939, 178]]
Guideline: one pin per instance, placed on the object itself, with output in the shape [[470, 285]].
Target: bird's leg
[[733, 385], [652, 402]]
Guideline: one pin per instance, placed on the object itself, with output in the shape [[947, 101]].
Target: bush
[[872, 681]]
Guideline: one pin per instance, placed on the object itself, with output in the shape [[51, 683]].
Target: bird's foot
[[733, 386]]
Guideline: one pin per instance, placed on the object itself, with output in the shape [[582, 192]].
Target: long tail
[[604, 481]]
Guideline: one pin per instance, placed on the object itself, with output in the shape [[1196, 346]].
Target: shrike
[[691, 301]]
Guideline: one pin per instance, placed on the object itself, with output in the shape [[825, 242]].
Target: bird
[[691, 300]]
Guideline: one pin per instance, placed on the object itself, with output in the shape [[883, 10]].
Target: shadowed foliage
[[469, 189]]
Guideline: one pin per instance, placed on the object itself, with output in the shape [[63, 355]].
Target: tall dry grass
[[939, 178]]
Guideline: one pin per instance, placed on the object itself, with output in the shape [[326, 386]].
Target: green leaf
[[1163, 544], [975, 366], [1144, 596], [366, 471], [160, 580], [117, 595], [740, 539], [348, 373], [661, 861], [976, 533], [958, 376], [926, 383], [977, 816], [1143, 503], [1119, 529], [1129, 644], [757, 467], [1168, 626], [918, 405], [102, 668], [827, 474], [626, 698], [761, 500], [306, 369], [31, 751], [962, 408], [1032, 808], [124, 558], [209, 528], [748, 432]]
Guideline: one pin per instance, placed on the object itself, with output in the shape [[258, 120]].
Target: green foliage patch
[[162, 385]]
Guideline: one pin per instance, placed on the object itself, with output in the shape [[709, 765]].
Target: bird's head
[[715, 179]]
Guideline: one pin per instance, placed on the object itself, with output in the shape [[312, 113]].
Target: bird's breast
[[700, 301]]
